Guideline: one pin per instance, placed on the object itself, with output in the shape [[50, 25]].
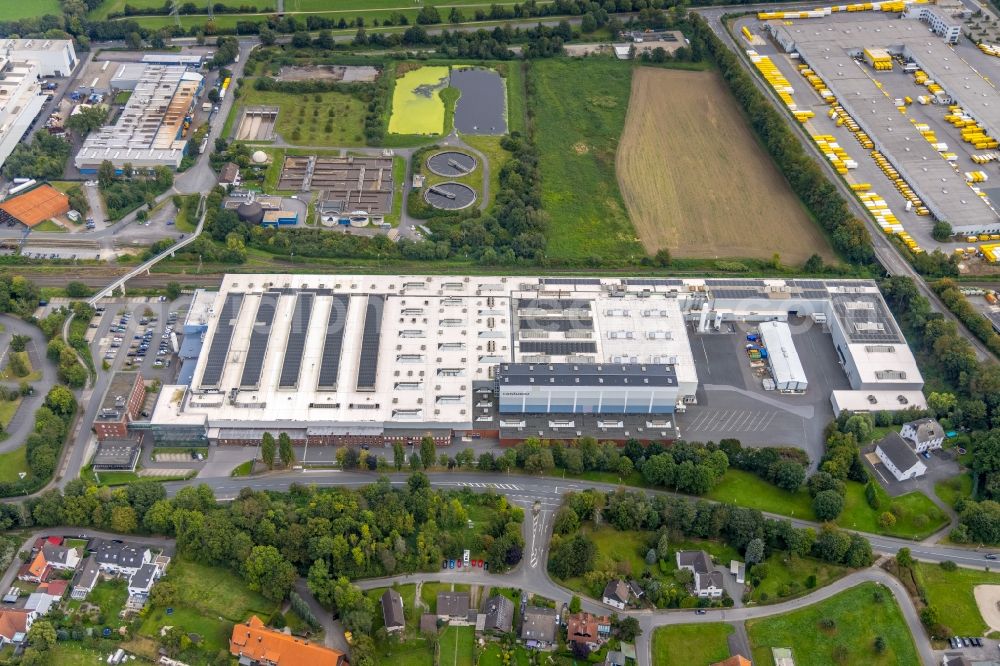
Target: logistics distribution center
[[896, 78], [342, 359]]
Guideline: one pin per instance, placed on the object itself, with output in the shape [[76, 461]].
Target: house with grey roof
[[898, 457], [707, 581], [923, 434], [538, 626], [87, 577], [120, 557], [392, 611], [499, 612], [616, 594], [453, 607]]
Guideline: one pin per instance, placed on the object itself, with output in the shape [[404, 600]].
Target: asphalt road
[[24, 419]]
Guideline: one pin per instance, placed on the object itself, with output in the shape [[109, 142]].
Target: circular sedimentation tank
[[450, 196], [451, 163]]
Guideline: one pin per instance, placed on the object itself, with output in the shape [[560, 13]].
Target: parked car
[[451, 564]]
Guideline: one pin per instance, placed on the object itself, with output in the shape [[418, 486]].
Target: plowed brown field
[[696, 181]]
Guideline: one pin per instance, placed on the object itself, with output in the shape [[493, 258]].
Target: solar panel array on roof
[[296, 344], [865, 318], [728, 282], [558, 348], [259, 336], [655, 282], [368, 359], [219, 349], [329, 368], [737, 293], [808, 284], [590, 281], [555, 324], [850, 283], [815, 293], [553, 303]]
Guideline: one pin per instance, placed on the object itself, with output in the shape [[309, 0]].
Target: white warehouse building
[[52, 57], [786, 367]]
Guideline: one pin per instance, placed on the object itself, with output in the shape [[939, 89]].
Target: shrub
[[948, 565]]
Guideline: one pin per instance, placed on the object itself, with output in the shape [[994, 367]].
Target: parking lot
[[733, 403], [135, 334]]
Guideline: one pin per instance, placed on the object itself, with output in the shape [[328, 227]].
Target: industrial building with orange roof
[[256, 645]]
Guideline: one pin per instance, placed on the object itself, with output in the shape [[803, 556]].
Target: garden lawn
[[858, 620], [111, 596], [493, 655], [410, 612], [688, 644], [579, 112], [455, 645], [13, 462], [73, 653], [414, 652], [210, 600], [951, 592], [951, 490]]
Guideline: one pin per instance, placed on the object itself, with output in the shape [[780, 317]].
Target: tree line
[[968, 402]]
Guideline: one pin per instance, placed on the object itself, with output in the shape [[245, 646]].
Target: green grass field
[[954, 488], [7, 410], [73, 653], [919, 516], [50, 227], [13, 462], [417, 107], [111, 596], [303, 120], [858, 620], [579, 113], [456, 645], [688, 644], [12, 11], [497, 157], [210, 601], [787, 576], [951, 592]]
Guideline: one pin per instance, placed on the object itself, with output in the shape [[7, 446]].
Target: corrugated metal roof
[[785, 362]]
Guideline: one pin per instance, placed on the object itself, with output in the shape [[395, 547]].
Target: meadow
[[578, 108], [842, 629], [315, 119]]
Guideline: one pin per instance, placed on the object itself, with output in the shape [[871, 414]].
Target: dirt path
[[988, 600]]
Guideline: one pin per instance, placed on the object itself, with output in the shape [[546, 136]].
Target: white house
[[616, 594], [707, 581], [923, 434], [899, 458]]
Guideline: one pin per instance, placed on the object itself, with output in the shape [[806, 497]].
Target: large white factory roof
[[342, 351]]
